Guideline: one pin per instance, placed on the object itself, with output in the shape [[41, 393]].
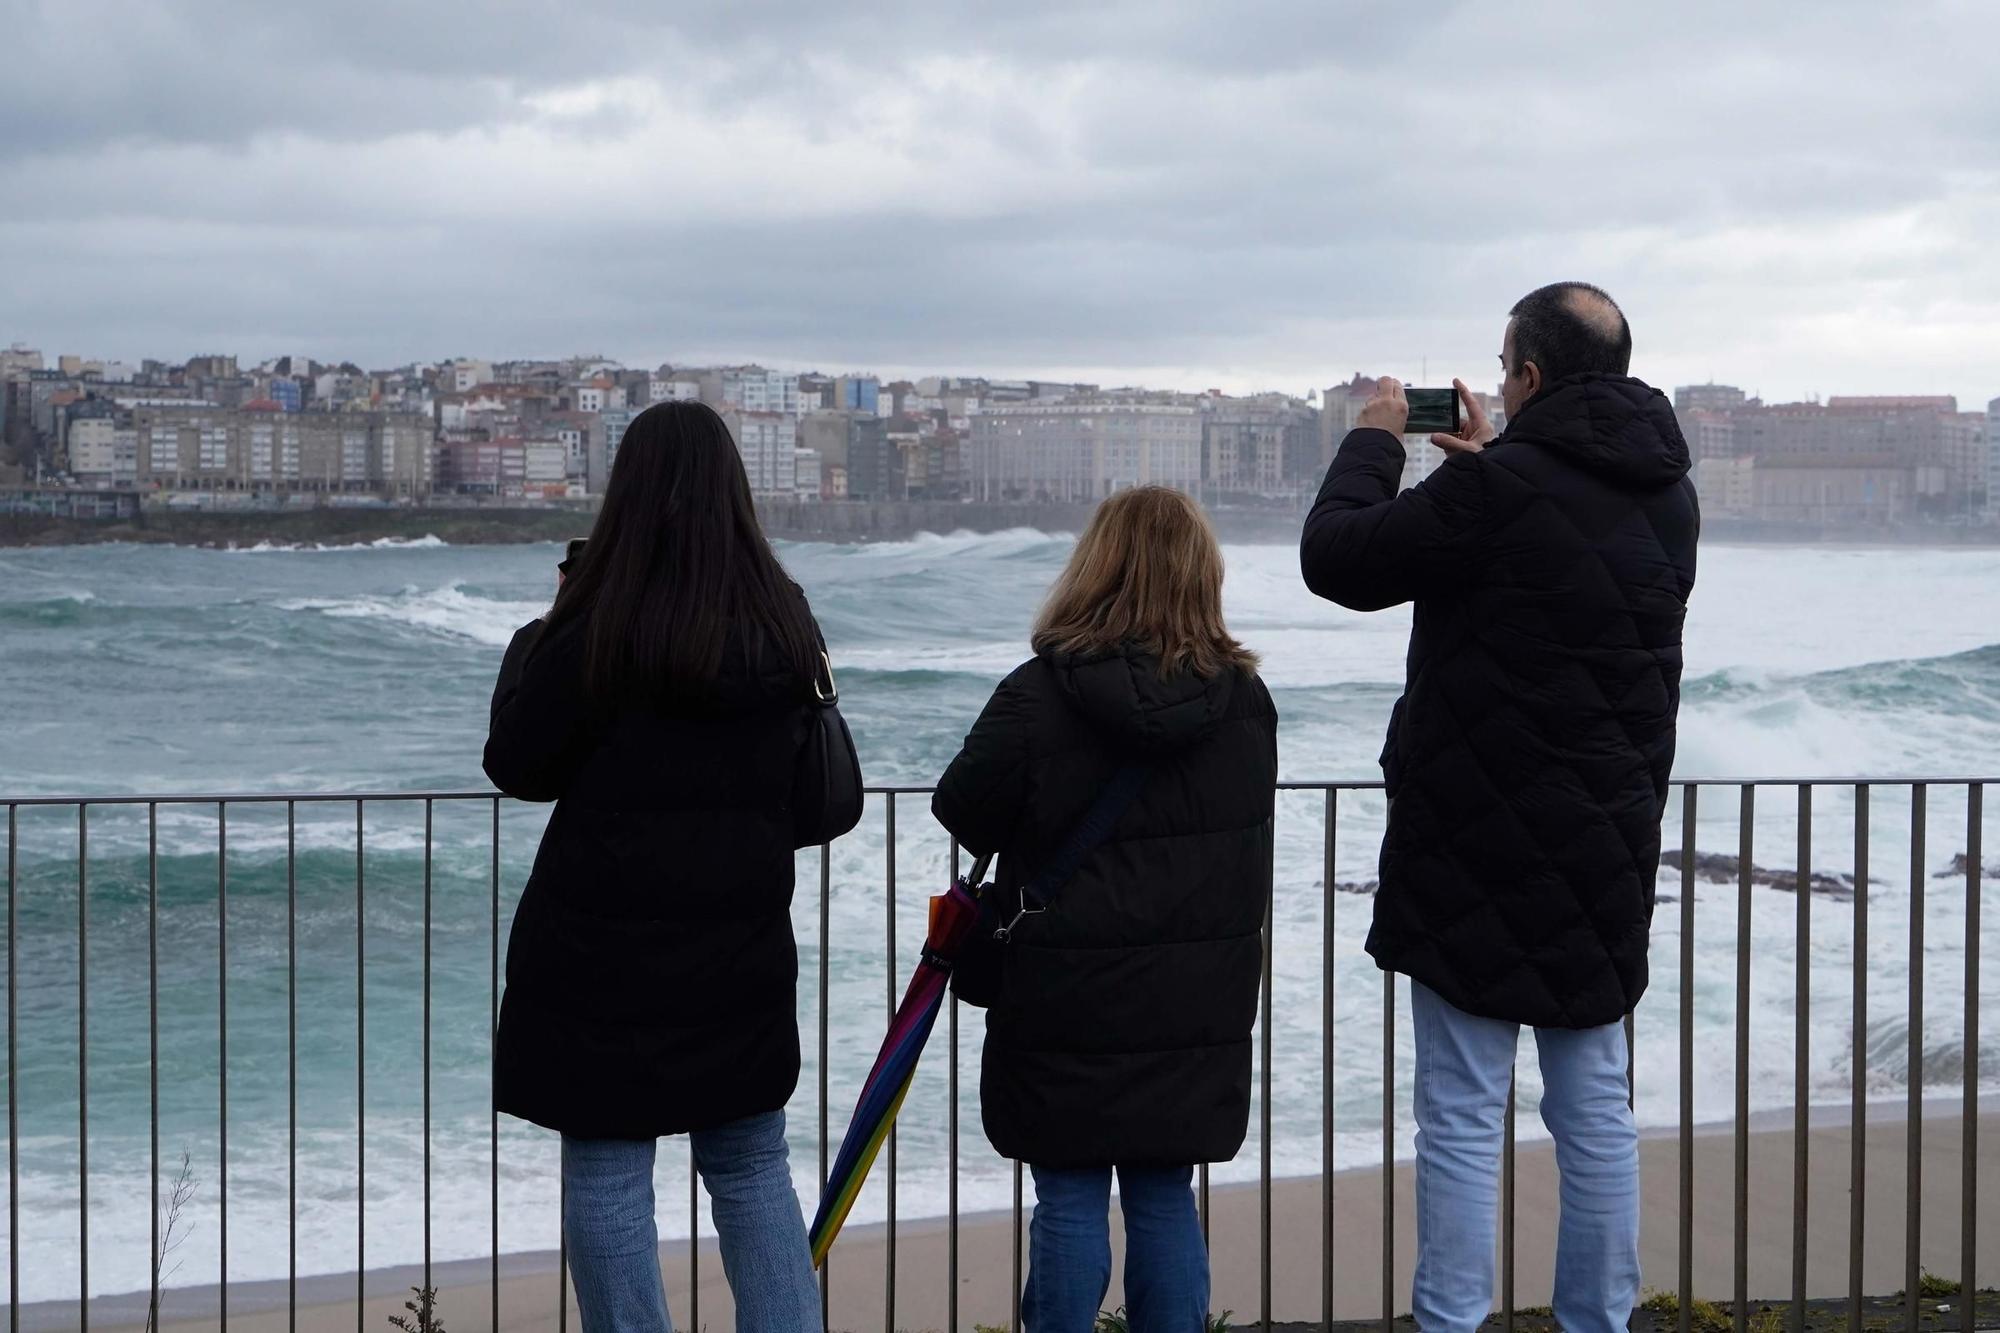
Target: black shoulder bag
[[826, 791], [975, 978]]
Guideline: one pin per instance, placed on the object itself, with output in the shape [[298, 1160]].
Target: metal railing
[[831, 1114]]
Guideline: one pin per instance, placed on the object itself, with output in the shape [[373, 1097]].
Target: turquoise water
[[133, 669]]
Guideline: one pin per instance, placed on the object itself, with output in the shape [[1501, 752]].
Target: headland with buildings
[[215, 452]]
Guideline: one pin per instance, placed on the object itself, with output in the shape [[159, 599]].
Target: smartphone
[[570, 554], [1432, 411]]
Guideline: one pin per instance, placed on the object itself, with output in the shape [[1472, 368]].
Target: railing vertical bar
[[1801, 1058], [1014, 1318], [1507, 1185], [1968, 1236], [1388, 1151], [82, 1067], [1914, 1126], [492, 1092], [694, 1239], [153, 1050], [951, 1184], [889, 973], [825, 926], [562, 1249], [1326, 1060], [1264, 1119], [14, 1097], [291, 1066], [1684, 1319], [1746, 846], [1857, 1169], [360, 1063], [428, 830], [1201, 1204], [222, 1046]]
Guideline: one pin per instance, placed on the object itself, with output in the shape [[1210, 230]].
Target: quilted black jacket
[[1121, 1034], [1527, 761], [651, 972]]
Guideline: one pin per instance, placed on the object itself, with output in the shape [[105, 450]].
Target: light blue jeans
[[614, 1247], [1069, 1251], [1463, 1064]]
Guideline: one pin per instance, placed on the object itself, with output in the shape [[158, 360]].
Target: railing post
[[889, 1021], [1684, 1318], [1746, 845], [1975, 819], [1388, 1151], [1857, 1168], [14, 1089], [1914, 1126], [82, 1066], [1326, 1058], [222, 1044], [825, 927], [1264, 1118], [1801, 1056]]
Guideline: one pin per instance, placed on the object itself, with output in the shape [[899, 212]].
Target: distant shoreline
[[833, 521]]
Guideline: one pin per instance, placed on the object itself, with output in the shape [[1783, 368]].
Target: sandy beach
[[529, 1284]]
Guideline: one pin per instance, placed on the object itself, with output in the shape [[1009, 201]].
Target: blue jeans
[[614, 1247], [1069, 1251], [1463, 1065]]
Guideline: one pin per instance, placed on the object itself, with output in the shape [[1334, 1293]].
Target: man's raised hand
[[1475, 431], [1387, 410]]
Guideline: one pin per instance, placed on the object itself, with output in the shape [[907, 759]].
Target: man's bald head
[[1569, 328]]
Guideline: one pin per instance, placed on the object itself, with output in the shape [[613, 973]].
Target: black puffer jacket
[[1527, 761], [651, 970], [1121, 1035]]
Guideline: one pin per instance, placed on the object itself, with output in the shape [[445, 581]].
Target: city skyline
[[1182, 194]]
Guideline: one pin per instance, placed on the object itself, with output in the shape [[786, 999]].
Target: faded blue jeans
[[1069, 1251], [614, 1247], [1463, 1065]]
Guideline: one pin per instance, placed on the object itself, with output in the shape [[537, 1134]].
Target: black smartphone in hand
[[1433, 412]]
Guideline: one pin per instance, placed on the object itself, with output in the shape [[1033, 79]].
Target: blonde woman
[[1118, 1027]]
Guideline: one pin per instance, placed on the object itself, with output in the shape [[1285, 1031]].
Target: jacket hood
[[1123, 696], [1613, 425]]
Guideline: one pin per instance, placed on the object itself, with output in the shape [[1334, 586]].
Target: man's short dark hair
[[1571, 328]]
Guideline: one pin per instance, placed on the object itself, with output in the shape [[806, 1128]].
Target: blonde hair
[[1147, 571]]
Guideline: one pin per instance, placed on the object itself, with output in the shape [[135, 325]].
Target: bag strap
[[1088, 835]]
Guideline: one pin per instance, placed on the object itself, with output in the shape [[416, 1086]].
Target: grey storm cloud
[[1797, 194]]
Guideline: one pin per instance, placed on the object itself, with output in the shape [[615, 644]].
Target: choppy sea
[[139, 669]]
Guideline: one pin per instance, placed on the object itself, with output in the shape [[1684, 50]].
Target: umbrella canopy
[[953, 916]]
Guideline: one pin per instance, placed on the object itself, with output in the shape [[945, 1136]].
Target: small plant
[[1116, 1321], [1703, 1316], [1769, 1319], [1537, 1312], [172, 1236], [423, 1310]]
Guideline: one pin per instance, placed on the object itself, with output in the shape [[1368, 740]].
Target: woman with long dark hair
[[1138, 751], [662, 706]]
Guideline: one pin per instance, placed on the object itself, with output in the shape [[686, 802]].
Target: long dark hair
[[677, 563]]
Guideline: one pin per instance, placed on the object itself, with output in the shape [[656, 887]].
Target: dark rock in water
[[1364, 888], [1957, 868], [1720, 868]]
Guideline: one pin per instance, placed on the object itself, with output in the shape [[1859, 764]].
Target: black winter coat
[[1121, 1034], [651, 971], [1527, 761]]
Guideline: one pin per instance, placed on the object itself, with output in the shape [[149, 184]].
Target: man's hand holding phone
[[1387, 410], [1475, 431]]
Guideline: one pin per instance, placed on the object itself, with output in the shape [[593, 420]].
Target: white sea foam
[[449, 610]]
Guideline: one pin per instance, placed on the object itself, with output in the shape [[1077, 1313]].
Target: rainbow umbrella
[[953, 915]]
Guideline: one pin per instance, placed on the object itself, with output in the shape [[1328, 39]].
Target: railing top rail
[[1309, 784]]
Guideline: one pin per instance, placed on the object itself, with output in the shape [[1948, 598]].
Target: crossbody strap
[[1088, 835]]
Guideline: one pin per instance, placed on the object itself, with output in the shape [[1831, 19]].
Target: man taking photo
[[1527, 766]]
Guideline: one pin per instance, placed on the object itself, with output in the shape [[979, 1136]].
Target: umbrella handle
[[979, 869]]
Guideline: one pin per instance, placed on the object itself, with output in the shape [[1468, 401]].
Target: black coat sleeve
[[981, 794], [1367, 548], [539, 728]]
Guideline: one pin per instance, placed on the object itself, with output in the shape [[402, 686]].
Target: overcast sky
[[1798, 196]]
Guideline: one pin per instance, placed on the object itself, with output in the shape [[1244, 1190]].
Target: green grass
[[1704, 1316]]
